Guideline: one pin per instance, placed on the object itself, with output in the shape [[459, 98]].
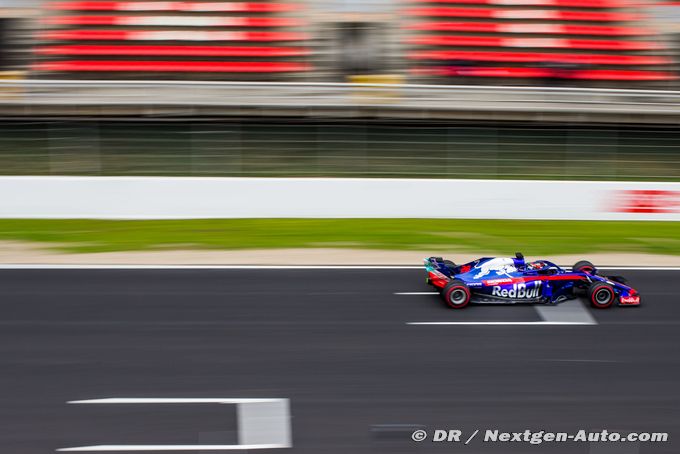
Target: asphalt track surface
[[334, 342]]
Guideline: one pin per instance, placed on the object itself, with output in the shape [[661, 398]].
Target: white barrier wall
[[174, 198]]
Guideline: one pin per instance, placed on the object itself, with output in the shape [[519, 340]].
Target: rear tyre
[[583, 266], [601, 295], [456, 294]]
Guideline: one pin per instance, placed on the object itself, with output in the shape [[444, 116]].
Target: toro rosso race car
[[512, 280]]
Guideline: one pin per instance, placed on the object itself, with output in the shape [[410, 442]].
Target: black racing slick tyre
[[456, 294], [583, 266], [601, 295]]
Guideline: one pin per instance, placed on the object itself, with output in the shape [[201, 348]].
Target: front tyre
[[601, 295], [456, 294]]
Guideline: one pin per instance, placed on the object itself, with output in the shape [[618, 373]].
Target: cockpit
[[541, 267], [537, 265]]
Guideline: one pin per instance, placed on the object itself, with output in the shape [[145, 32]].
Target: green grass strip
[[497, 236]]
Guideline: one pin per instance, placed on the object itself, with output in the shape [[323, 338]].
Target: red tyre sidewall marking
[[595, 292], [457, 306]]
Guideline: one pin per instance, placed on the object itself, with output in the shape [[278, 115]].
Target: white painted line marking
[[416, 293], [163, 400], [569, 311], [499, 323], [122, 448], [262, 424], [582, 360], [207, 267], [269, 267]]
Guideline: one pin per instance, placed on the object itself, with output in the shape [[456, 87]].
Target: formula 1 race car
[[513, 280]]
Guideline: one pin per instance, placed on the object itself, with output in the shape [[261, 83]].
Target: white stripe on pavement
[[543, 323], [203, 267], [416, 293], [263, 423], [123, 448], [163, 400], [38, 266], [569, 311]]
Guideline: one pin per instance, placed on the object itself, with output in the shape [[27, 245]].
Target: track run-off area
[[334, 360]]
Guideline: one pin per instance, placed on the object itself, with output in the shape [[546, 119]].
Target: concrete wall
[[173, 198]]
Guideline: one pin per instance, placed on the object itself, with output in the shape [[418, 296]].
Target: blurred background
[[369, 93], [613, 43], [557, 89]]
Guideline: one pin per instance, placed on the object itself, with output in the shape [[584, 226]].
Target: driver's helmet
[[538, 265]]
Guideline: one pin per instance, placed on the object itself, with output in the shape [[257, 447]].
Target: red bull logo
[[630, 300], [518, 291], [647, 201]]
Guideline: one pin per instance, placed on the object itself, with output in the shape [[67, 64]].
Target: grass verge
[[498, 236]]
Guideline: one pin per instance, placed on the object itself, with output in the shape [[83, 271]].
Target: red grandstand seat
[[509, 27], [129, 26], [170, 35], [175, 6], [556, 29], [607, 74], [538, 57], [551, 3], [532, 14], [492, 41], [172, 66], [179, 21], [530, 73], [175, 51]]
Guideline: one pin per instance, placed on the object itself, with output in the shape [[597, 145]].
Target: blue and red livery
[[513, 280]]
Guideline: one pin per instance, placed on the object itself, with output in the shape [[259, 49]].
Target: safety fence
[[324, 148]]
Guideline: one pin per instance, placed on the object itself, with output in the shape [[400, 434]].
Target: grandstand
[[152, 39], [577, 40], [525, 42]]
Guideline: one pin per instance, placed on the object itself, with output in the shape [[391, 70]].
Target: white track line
[[172, 400], [123, 448], [205, 267], [567, 313], [570, 311], [263, 423], [544, 323], [267, 267], [416, 293]]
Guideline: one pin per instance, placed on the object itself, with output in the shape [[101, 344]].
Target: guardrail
[[338, 95]]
